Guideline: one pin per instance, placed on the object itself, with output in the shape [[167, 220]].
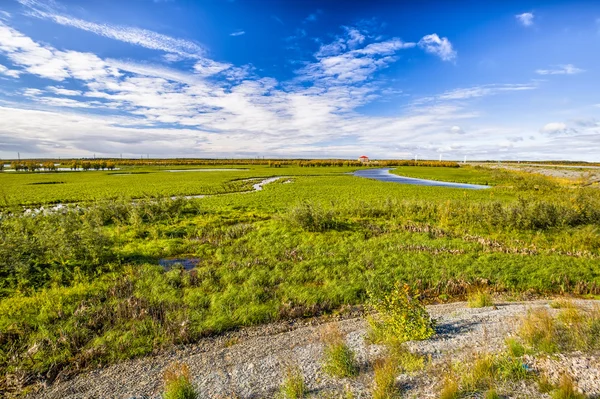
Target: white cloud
[[555, 128], [219, 109], [9, 72], [526, 19], [237, 33], [208, 67], [438, 46], [63, 92], [477, 91], [456, 130], [136, 36], [568, 69]]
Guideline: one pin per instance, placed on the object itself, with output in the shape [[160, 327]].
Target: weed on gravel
[[178, 383], [574, 328], [384, 380], [338, 359], [566, 389], [480, 298], [293, 385]]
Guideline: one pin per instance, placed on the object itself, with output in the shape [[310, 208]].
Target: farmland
[[83, 286]]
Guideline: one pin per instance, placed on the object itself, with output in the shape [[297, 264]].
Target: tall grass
[[178, 383], [338, 359]]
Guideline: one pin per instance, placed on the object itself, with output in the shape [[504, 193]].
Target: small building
[[363, 158]]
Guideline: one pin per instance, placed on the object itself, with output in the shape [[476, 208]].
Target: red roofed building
[[363, 158]]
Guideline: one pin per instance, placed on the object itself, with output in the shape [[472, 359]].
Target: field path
[[251, 362]]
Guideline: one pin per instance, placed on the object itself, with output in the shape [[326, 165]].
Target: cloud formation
[[88, 103], [568, 69], [441, 47], [136, 36], [526, 19]]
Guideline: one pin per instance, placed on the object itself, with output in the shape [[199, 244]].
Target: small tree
[[401, 316]]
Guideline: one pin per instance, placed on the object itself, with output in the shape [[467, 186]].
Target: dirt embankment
[[251, 363]]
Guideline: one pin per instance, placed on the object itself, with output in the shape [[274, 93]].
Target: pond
[[383, 174]]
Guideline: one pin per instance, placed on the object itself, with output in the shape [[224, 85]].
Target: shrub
[[401, 316], [177, 383], [338, 359], [311, 217], [293, 385]]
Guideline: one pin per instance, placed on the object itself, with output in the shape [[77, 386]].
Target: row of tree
[[339, 162], [96, 165], [49, 166], [33, 166]]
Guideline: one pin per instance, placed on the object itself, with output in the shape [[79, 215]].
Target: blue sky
[[175, 78]]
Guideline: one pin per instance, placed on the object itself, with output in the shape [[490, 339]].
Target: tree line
[[50, 166]]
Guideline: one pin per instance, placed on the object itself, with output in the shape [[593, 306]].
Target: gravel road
[[250, 363]]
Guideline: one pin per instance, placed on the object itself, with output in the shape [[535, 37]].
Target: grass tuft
[[450, 389], [514, 347], [384, 380], [566, 389], [480, 299], [491, 394], [293, 385], [539, 330], [338, 358], [178, 383]]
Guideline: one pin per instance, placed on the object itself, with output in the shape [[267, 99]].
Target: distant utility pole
[[19, 156]]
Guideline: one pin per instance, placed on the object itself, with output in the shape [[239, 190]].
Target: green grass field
[[84, 287]]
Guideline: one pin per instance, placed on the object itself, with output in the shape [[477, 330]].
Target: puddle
[[186, 263]]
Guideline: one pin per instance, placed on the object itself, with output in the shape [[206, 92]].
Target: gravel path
[[250, 363]]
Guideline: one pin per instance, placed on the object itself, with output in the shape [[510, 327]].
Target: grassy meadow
[[83, 287]]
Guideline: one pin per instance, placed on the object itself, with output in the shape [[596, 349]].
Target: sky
[[300, 79]]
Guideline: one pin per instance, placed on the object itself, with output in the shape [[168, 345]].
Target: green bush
[[400, 316], [312, 217]]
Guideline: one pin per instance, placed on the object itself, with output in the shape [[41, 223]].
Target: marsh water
[[383, 174]]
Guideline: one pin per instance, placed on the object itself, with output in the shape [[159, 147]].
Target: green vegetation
[[566, 389], [82, 286], [338, 358], [482, 374], [293, 385], [400, 316], [384, 380], [574, 329], [480, 298], [178, 383]]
